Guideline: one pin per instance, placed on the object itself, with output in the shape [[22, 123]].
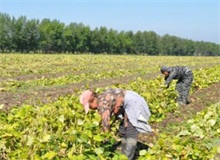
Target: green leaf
[[99, 138], [84, 137], [96, 123], [49, 155], [92, 157], [194, 127], [61, 118], [142, 152], [64, 145], [7, 135], [211, 122], [190, 121], [160, 110], [36, 157], [74, 132], [177, 147], [45, 138], [199, 133], [161, 141], [89, 133], [208, 114], [80, 122], [30, 140], [184, 133], [99, 150], [169, 155]]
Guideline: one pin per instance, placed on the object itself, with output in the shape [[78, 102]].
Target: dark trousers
[[129, 137], [183, 88]]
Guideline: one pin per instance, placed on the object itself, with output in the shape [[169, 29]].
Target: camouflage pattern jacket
[[177, 72], [107, 101]]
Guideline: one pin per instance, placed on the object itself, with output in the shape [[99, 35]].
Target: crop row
[[13, 65], [61, 130], [198, 138], [11, 85], [84, 69]]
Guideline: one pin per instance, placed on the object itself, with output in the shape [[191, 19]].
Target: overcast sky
[[198, 20]]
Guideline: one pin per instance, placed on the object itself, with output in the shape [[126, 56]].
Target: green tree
[[56, 35], [51, 36], [76, 37], [151, 43], [170, 45], [188, 48], [99, 40], [5, 32], [18, 34], [139, 43], [45, 42], [95, 42], [129, 42], [112, 42], [103, 33], [23, 35], [31, 35]]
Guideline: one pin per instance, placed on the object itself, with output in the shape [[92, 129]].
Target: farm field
[[41, 116]]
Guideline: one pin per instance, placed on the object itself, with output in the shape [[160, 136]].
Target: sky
[[198, 20]]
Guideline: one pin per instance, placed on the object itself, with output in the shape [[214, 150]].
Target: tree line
[[52, 36]]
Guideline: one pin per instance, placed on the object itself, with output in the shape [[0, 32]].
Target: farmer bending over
[[117, 102], [184, 76]]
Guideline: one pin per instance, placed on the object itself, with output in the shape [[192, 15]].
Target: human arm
[[109, 105], [169, 78], [105, 120]]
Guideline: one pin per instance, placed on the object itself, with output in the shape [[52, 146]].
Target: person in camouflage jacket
[[126, 105], [184, 78]]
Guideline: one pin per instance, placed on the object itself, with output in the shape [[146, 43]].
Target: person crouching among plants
[[184, 76], [127, 104]]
